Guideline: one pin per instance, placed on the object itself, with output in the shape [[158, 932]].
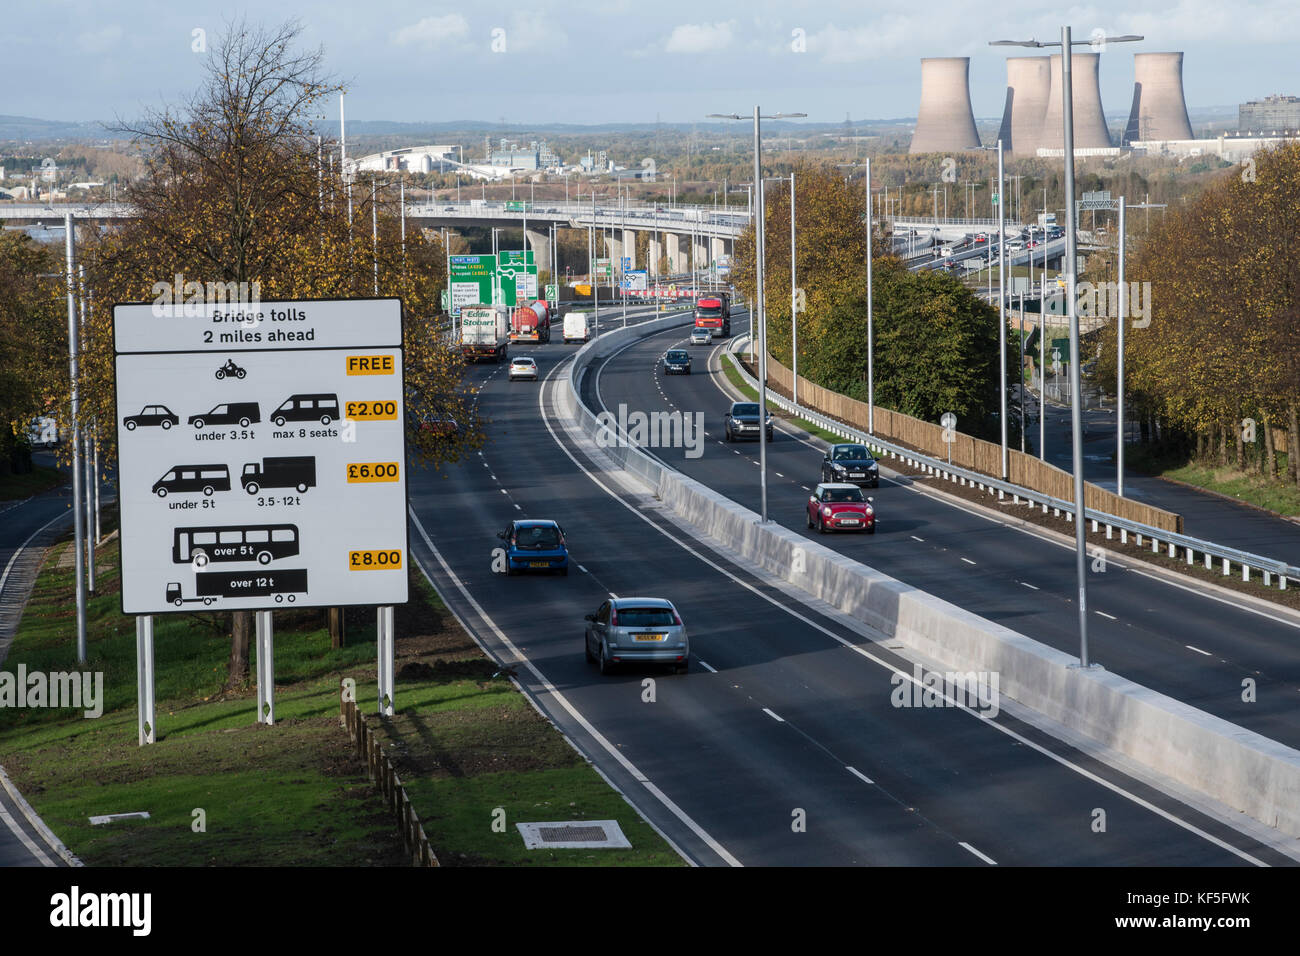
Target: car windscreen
[[851, 453], [645, 617], [677, 356], [707, 313], [745, 408], [843, 494], [537, 538]]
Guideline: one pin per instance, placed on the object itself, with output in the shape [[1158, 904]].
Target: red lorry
[[713, 312], [531, 323]]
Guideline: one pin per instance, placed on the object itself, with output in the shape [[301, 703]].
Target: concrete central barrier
[[1235, 766]]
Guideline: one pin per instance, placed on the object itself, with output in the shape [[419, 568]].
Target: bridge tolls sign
[[262, 455]]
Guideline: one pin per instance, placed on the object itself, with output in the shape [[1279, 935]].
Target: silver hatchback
[[636, 630]]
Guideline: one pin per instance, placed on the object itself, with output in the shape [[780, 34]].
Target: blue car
[[535, 546]]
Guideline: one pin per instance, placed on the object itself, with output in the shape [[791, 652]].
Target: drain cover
[[590, 834]]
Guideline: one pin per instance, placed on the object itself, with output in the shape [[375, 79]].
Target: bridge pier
[[629, 244], [540, 243], [676, 254], [654, 252]]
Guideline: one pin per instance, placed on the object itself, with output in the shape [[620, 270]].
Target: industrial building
[[1270, 113], [411, 159]]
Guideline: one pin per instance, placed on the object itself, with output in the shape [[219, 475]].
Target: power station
[[945, 121], [1090, 130], [1028, 86], [1159, 110]]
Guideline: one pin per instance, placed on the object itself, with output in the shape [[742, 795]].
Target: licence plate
[[849, 521], [644, 638], [539, 564], [856, 474]]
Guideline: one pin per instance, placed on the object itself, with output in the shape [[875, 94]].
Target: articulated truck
[[484, 333], [713, 312], [531, 323]]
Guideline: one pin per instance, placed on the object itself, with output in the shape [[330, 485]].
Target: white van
[[576, 328]]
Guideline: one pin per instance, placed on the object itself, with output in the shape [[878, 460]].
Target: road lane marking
[[915, 538], [863, 652], [775, 716], [1111, 616], [1031, 586], [1198, 650], [968, 560], [986, 859], [860, 775], [708, 668]]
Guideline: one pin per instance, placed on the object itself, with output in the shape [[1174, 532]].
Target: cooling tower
[[1159, 110], [1028, 86], [1089, 122], [945, 121]]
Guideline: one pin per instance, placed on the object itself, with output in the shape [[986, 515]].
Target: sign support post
[[144, 679]]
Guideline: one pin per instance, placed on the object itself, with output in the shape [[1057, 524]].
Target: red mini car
[[838, 506]]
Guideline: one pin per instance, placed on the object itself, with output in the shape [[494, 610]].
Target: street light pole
[[1119, 398], [871, 345], [79, 528], [1071, 279], [1002, 308], [794, 307], [757, 312], [1076, 405]]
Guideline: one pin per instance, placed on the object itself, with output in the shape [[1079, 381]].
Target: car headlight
[[838, 467], [826, 511]]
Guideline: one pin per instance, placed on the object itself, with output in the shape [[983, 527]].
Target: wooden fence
[[381, 771], [973, 454]]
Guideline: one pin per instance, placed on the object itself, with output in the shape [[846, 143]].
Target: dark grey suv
[[742, 421], [851, 463]]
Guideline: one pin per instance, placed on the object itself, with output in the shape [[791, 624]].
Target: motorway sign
[[262, 455], [516, 206], [516, 277], [471, 279], [637, 281], [601, 268]]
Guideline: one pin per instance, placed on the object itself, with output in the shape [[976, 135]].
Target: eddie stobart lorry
[[484, 333]]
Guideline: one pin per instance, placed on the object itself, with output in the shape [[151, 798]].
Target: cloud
[[534, 30], [700, 37], [877, 41], [432, 32], [101, 40]]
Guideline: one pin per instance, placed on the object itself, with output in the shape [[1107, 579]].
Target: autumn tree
[[936, 343], [234, 192]]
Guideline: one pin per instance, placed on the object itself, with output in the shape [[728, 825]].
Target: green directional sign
[[470, 279], [516, 277], [601, 268], [552, 292]]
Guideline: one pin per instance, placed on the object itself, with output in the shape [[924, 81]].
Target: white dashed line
[[968, 560], [517, 508], [915, 538], [504, 492], [1198, 650], [707, 668], [582, 569], [986, 859], [1031, 587], [860, 775], [806, 488], [773, 715], [1111, 616], [779, 475]]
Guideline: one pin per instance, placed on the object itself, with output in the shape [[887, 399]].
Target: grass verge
[[466, 742], [1252, 488]]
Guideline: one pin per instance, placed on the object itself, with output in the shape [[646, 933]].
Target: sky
[[609, 61]]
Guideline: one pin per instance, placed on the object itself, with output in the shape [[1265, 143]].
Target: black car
[[677, 360], [742, 421], [159, 415], [851, 463]]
